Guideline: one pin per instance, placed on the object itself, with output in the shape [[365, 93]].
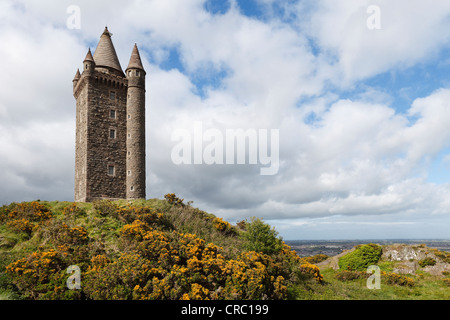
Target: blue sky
[[363, 114]]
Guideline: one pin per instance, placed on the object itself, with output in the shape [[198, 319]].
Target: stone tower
[[110, 125]]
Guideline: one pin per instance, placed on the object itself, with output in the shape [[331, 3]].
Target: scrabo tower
[[110, 126]]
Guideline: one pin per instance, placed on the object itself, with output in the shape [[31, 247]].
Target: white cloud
[[355, 157], [411, 31]]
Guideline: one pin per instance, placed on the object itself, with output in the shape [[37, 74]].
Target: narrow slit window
[[129, 172], [112, 95], [112, 114], [132, 188], [112, 133], [111, 170]]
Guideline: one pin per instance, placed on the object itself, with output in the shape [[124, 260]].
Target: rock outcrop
[[407, 259], [410, 257]]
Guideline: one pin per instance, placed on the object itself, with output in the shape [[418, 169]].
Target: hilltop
[[143, 249], [168, 249]]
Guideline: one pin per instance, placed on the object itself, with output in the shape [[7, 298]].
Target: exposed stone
[[404, 253], [407, 267], [409, 257], [437, 269]]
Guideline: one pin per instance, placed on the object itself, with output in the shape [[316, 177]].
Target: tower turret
[[89, 63], [135, 74], [76, 78]]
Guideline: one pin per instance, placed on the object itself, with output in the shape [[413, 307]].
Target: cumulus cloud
[[411, 31], [340, 156]]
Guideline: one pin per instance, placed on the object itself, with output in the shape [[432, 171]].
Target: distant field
[[306, 248]]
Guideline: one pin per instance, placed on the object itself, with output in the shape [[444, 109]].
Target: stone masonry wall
[[103, 150], [136, 135]]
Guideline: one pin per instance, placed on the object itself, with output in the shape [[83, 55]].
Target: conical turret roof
[[77, 75], [105, 54], [135, 60], [89, 56]]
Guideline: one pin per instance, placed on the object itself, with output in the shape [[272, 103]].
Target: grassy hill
[[166, 249]]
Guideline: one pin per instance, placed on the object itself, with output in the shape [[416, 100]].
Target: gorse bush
[[313, 270], [24, 217], [173, 199], [361, 258], [427, 262], [392, 278], [316, 258], [133, 251]]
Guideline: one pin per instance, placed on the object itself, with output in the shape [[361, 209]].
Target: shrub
[[261, 237], [39, 273], [313, 270], [31, 211], [446, 282], [75, 236], [316, 259], [112, 280], [173, 199], [73, 211], [135, 230], [346, 275], [149, 257], [106, 208], [398, 279], [427, 262], [220, 224], [21, 225], [361, 258]]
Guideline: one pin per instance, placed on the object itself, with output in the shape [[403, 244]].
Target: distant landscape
[[307, 248]]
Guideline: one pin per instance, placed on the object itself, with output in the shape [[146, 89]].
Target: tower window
[[129, 135], [132, 188], [112, 114], [138, 73], [112, 95], [112, 133], [129, 172], [129, 116], [111, 170]]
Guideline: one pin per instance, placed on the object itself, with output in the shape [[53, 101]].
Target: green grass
[[427, 287]]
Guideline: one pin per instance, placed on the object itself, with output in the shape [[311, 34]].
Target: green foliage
[[130, 250], [261, 237], [427, 262], [156, 249], [361, 258], [316, 258], [105, 207], [346, 275], [392, 278]]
